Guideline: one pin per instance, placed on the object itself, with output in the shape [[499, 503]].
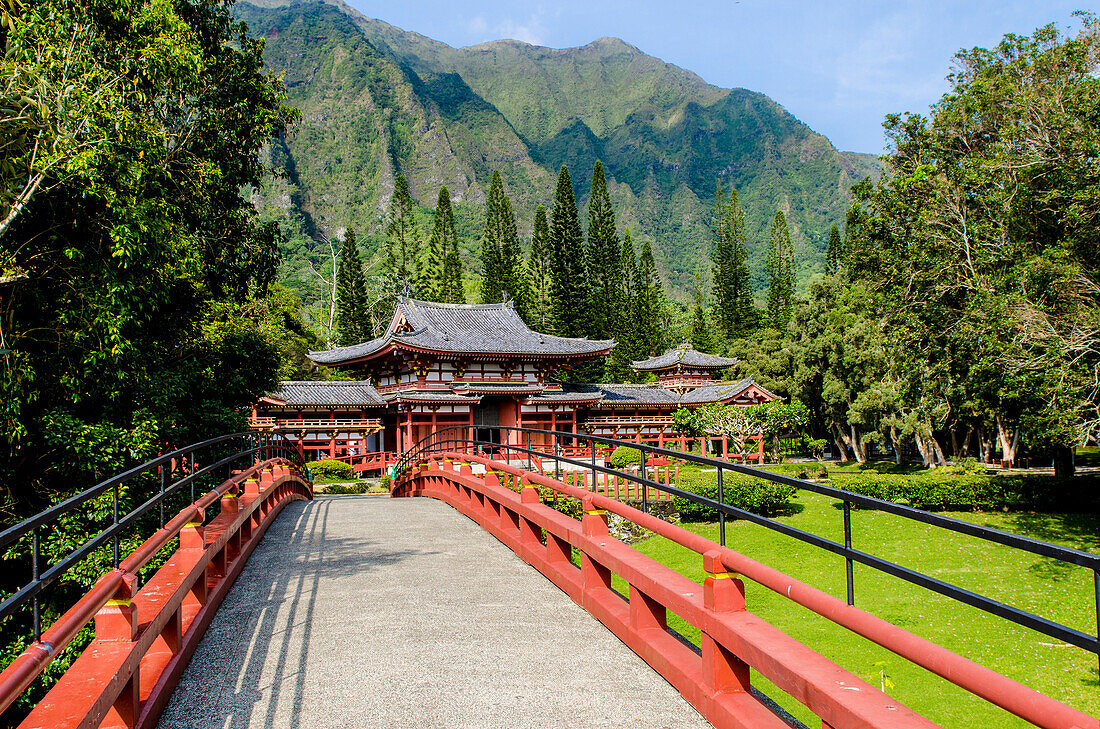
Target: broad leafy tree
[[980, 243]]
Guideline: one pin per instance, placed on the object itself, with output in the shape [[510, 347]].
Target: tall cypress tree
[[701, 338], [540, 310], [402, 240], [570, 282], [649, 305], [832, 253], [450, 285], [501, 257], [492, 264], [627, 348], [604, 271], [513, 269], [732, 287], [353, 319], [432, 275], [780, 268]]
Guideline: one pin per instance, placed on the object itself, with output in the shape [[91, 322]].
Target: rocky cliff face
[[376, 99]]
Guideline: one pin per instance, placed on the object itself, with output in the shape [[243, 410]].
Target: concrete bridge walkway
[[366, 611]]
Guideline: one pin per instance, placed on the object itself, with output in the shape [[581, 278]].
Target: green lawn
[[1040, 585]]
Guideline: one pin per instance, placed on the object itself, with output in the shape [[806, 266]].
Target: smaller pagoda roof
[[721, 391], [568, 394], [498, 388], [684, 356], [435, 396], [635, 396], [324, 393]]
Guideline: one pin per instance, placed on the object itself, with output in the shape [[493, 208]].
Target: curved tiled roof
[[304, 392], [719, 391], [465, 329], [684, 356]]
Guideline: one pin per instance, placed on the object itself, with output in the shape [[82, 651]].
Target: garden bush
[[765, 498], [330, 469], [946, 489], [624, 456]]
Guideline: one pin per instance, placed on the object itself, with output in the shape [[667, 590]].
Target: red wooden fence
[[733, 639], [144, 639]]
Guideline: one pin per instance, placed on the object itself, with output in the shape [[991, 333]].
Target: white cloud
[[530, 30]]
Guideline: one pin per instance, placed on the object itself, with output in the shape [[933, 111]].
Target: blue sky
[[840, 67]]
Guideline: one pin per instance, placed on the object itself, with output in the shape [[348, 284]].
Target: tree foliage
[[353, 317], [780, 268], [569, 277], [981, 245]]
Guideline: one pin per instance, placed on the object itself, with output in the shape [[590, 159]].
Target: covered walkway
[[366, 611]]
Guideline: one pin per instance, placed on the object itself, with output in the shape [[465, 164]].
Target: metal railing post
[[37, 614], [529, 468], [848, 552], [593, 443], [1096, 595], [721, 512], [114, 531], [645, 486], [557, 458], [163, 487]]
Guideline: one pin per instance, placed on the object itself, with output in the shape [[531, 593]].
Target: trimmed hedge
[[952, 489], [624, 456], [331, 469], [744, 492]]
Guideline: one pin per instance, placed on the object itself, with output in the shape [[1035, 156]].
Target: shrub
[[386, 482], [765, 498], [330, 469], [624, 456]]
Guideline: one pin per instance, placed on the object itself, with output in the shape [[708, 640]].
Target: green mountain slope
[[375, 99]]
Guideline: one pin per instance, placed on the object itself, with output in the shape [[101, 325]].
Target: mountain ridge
[[376, 98]]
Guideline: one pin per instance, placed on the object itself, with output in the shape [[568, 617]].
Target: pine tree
[[402, 240], [432, 278], [540, 307], [502, 261], [604, 271], [649, 305], [832, 253], [569, 278], [626, 336], [700, 329], [513, 267], [732, 287], [353, 319], [450, 285], [780, 268]]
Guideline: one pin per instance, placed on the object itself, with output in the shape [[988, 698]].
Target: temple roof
[[474, 329], [304, 392], [650, 395], [684, 356], [721, 391]]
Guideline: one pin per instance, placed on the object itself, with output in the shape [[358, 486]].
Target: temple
[[481, 367]]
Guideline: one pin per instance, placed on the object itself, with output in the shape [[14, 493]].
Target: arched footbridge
[[228, 596]]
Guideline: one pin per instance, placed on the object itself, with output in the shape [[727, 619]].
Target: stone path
[[367, 611]]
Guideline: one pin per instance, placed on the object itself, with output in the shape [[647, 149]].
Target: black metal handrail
[[253, 445], [437, 443]]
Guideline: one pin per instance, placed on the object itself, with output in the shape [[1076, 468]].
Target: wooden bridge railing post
[[723, 592], [117, 622], [593, 524]]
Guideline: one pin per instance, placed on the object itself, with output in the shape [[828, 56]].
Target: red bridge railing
[[733, 640], [145, 634]]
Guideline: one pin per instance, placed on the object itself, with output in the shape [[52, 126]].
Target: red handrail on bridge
[[733, 640], [143, 640]]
